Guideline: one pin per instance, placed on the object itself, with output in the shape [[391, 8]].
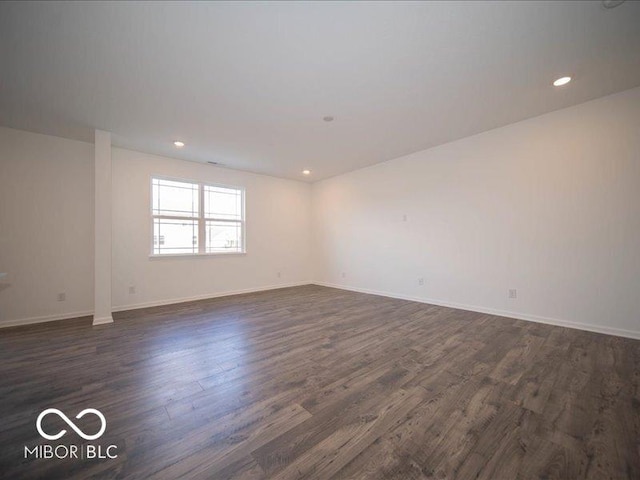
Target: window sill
[[194, 255]]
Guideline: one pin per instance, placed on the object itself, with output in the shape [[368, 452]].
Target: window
[[196, 218]]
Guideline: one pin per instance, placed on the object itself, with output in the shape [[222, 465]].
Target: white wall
[[46, 226], [549, 206], [278, 235], [47, 231]]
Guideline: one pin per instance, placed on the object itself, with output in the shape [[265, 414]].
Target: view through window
[[196, 218]]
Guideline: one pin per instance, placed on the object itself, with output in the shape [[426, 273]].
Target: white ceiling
[[247, 84]]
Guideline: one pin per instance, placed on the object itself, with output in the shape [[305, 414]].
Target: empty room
[[320, 240]]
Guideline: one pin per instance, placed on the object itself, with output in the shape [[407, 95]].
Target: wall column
[[102, 241]]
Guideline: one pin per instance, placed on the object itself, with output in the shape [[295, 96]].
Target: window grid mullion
[[174, 217], [201, 221], [227, 220]]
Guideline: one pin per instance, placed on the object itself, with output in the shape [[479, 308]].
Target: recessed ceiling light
[[178, 144], [328, 119], [561, 81], [306, 172]]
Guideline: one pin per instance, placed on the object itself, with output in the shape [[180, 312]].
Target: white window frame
[[201, 219]]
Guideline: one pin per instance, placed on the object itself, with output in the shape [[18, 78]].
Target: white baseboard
[[121, 308], [46, 318], [618, 332], [159, 303], [102, 320], [501, 313]]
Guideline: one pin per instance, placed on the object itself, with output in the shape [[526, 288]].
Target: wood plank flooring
[[317, 383]]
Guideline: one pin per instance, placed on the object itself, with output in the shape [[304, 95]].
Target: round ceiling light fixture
[[306, 172], [561, 81], [178, 144]]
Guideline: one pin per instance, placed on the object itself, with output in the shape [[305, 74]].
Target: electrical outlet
[[62, 297], [344, 275], [132, 290], [421, 281], [513, 293], [279, 274], [404, 217]]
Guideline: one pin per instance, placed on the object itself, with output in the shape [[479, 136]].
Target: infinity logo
[[71, 424]]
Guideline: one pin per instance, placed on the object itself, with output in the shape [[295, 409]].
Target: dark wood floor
[[313, 382]]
